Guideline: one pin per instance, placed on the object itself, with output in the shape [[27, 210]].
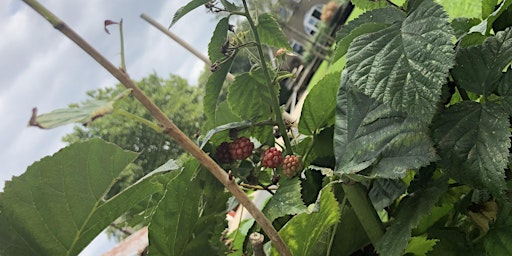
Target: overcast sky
[[40, 67]]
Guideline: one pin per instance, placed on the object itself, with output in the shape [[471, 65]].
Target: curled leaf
[[108, 23], [85, 113]]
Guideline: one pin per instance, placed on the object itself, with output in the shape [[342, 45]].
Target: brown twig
[[169, 127]]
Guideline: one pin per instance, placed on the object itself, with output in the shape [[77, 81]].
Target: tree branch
[[169, 127]]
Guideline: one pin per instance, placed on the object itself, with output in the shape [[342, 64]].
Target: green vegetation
[[404, 149]]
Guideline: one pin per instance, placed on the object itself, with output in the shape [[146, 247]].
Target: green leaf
[[230, 6], [370, 21], [218, 40], [435, 215], [420, 246], [186, 9], [286, 201], [473, 141], [224, 127], [497, 241], [405, 64], [224, 115], [238, 236], [302, 232], [370, 134], [369, 4], [505, 91], [248, 98], [319, 105], [486, 25], [462, 25], [270, 32], [479, 68], [172, 223], [57, 206], [488, 7], [385, 191], [471, 39], [409, 213], [85, 114], [170, 165], [217, 78], [212, 91]]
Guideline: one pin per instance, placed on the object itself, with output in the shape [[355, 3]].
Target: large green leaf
[[57, 206], [270, 32], [370, 21], [302, 232], [319, 105], [405, 64], [286, 200], [369, 133], [473, 141], [172, 224], [190, 6], [409, 213], [479, 68], [248, 98], [84, 114]]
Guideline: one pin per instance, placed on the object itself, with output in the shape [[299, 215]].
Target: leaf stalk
[[274, 102]]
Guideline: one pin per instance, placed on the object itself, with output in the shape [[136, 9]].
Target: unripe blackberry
[[241, 148], [291, 166], [222, 153], [272, 158]]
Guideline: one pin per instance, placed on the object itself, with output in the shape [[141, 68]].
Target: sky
[[40, 67]]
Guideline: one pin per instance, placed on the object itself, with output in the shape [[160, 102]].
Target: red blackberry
[[222, 153], [241, 148], [272, 158], [291, 166]]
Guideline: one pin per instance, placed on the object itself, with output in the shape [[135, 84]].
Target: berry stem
[[274, 102]]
